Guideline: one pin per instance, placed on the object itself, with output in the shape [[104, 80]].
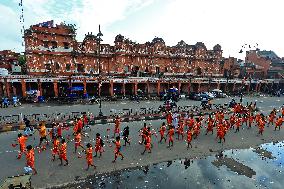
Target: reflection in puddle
[[186, 163], [248, 168], [263, 153], [234, 166]]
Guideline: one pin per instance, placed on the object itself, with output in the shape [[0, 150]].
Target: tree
[[22, 60]]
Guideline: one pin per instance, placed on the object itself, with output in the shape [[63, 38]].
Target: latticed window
[[68, 67], [45, 44], [57, 66], [80, 68], [66, 45], [54, 44], [48, 66]]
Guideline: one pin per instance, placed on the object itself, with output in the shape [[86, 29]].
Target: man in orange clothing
[[190, 122], [79, 124], [271, 118], [63, 152], [78, 140], [261, 124], [210, 122], [116, 126], [189, 138], [251, 119], [85, 122], [221, 132], [59, 130], [257, 118], [117, 149], [143, 133], [162, 132], [22, 143], [30, 157], [278, 123], [55, 148], [169, 118], [196, 129], [99, 145], [89, 156], [221, 116], [43, 135], [147, 143], [75, 128], [171, 133]]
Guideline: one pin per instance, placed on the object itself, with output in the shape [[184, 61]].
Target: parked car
[[206, 95], [194, 96], [219, 93], [171, 94], [210, 95]]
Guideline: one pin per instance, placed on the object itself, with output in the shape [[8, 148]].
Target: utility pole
[[99, 35]]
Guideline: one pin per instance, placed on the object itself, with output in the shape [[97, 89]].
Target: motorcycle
[[16, 102]]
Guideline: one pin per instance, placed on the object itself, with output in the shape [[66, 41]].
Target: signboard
[[30, 80], [91, 81], [44, 80], [14, 80], [76, 81]]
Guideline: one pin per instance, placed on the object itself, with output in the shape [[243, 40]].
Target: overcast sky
[[231, 23]]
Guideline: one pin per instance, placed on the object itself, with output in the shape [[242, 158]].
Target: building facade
[[8, 59], [53, 49], [265, 64]]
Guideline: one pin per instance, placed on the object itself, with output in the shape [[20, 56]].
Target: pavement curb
[[104, 120]]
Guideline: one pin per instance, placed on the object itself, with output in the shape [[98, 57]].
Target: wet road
[[266, 172], [49, 173]]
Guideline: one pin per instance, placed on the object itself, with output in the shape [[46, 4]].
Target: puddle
[[248, 168], [264, 153]]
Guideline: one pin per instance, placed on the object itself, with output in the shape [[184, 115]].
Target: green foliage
[[22, 60]]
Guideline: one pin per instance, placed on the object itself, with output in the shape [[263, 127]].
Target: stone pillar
[[179, 86], [218, 85], [1, 90], [148, 88], [55, 88], [135, 87], [111, 88], [8, 89], [234, 87], [256, 87], [259, 87], [100, 88], [123, 88], [14, 90], [226, 86], [24, 88], [158, 87], [39, 87], [85, 86], [248, 87], [189, 85], [198, 89]]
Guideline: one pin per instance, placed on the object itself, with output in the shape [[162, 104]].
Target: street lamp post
[[99, 35]]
